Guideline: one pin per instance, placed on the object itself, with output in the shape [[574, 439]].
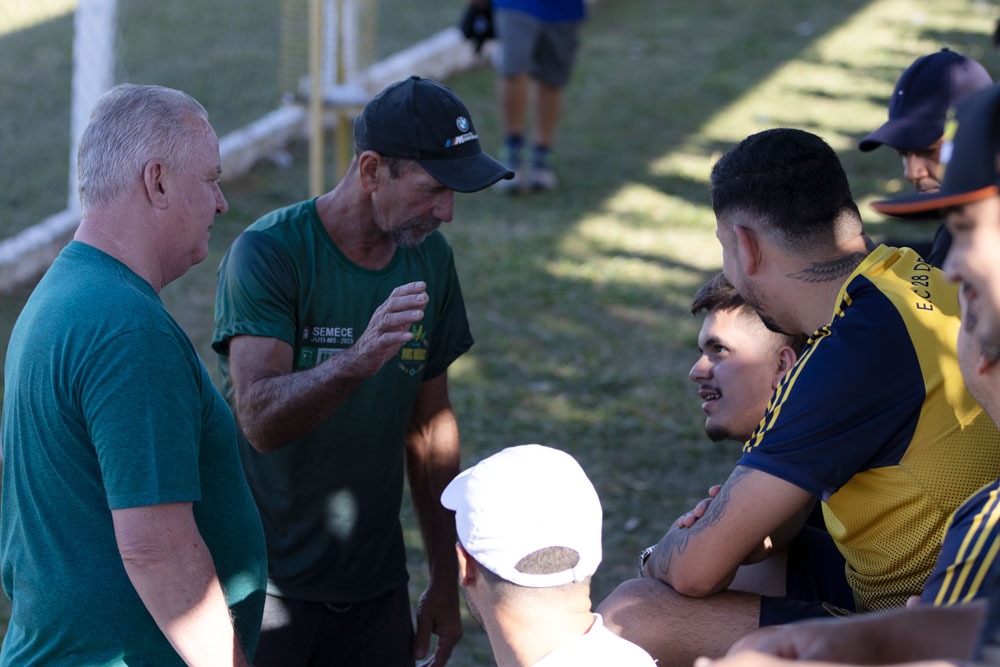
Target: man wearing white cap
[[529, 540]]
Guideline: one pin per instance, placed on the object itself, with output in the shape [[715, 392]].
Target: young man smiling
[[740, 361]]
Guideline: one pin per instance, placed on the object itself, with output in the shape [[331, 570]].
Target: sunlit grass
[[19, 14], [578, 299]]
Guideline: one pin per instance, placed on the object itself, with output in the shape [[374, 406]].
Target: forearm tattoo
[[676, 541]]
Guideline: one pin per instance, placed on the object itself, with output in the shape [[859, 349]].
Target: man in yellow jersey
[[915, 633], [969, 199], [874, 419]]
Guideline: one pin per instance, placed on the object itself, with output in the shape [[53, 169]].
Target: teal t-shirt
[[107, 406], [330, 501]]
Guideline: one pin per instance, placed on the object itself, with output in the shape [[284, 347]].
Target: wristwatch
[[643, 557]]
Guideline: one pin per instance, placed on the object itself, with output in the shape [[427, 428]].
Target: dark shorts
[[295, 633], [815, 584], [544, 50]]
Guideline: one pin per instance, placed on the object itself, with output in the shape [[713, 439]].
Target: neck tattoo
[[835, 269]]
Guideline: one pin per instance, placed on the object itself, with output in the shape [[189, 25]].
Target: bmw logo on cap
[[463, 123]]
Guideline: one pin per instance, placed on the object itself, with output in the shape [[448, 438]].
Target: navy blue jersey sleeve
[[851, 402]]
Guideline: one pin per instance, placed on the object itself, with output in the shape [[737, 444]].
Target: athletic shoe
[[542, 179], [512, 160]]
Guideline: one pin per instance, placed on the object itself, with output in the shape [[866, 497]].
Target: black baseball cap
[[969, 157], [423, 120], [920, 101]]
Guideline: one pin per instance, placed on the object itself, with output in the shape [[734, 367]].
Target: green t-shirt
[[330, 501], [107, 406]]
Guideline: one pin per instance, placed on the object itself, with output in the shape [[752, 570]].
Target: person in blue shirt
[[538, 42]]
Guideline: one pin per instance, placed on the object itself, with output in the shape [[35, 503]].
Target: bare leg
[[676, 629], [513, 94], [767, 577], [548, 109]]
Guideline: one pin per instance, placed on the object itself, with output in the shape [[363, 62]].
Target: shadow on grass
[[598, 367], [584, 340]]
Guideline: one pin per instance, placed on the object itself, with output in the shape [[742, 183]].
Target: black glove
[[477, 24]]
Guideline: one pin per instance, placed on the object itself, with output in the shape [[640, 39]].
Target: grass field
[[230, 54], [578, 299]]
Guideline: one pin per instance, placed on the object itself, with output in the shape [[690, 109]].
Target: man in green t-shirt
[[128, 534], [336, 321]]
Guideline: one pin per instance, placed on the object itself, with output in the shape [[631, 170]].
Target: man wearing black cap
[[336, 321], [920, 101], [969, 200]]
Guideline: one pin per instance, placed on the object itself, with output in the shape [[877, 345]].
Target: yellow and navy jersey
[[876, 421], [968, 560]]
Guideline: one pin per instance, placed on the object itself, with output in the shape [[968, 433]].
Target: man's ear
[[368, 163], [747, 249], [154, 180], [786, 359], [984, 364], [468, 569]]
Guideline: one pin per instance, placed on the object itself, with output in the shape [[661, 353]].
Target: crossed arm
[[701, 558]]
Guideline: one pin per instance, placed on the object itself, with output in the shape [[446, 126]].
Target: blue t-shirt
[[107, 406], [546, 10]]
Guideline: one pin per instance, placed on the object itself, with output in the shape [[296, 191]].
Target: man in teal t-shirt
[[336, 321], [128, 535]]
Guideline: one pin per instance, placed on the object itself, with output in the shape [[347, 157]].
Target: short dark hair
[[790, 178], [719, 294], [397, 165], [716, 294]]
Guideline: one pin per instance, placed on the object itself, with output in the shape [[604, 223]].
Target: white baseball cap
[[523, 499]]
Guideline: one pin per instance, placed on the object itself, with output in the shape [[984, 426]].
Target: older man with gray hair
[[128, 533]]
